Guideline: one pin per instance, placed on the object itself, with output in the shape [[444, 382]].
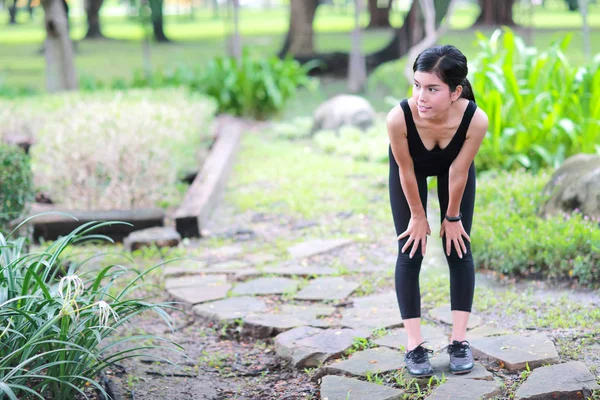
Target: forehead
[[428, 79]]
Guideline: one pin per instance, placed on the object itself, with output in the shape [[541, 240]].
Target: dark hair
[[449, 64]]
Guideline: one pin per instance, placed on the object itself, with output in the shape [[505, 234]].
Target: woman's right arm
[[418, 227], [399, 142]]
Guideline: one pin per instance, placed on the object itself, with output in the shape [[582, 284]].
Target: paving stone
[[260, 258], [436, 338], [377, 300], [300, 271], [229, 265], [327, 289], [263, 286], [230, 309], [441, 365], [516, 350], [342, 388], [200, 294], [262, 325], [372, 318], [561, 381], [187, 267], [444, 314], [309, 347], [378, 360], [157, 236], [194, 281], [316, 246], [466, 389], [486, 331]]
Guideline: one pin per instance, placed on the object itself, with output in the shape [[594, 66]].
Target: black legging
[[462, 270]]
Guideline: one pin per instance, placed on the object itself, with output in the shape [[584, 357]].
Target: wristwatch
[[454, 219]]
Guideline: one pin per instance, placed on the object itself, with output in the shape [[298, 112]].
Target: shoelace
[[419, 354], [458, 349]]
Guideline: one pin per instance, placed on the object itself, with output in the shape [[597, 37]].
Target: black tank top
[[436, 161]]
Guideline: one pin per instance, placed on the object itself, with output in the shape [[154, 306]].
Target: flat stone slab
[[300, 271], [188, 267], [385, 316], [441, 366], [157, 236], [378, 360], [486, 331], [201, 294], [444, 314], [260, 258], [263, 286], [316, 246], [263, 325], [194, 281], [229, 265], [516, 350], [377, 300], [560, 381], [435, 337], [310, 347], [342, 388], [230, 309], [327, 289], [466, 389]]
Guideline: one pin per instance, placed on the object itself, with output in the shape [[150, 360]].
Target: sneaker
[[461, 357], [417, 361]]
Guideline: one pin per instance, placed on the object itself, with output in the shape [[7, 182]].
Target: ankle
[[413, 345]]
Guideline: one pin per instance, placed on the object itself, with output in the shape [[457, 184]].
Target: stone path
[[316, 319]]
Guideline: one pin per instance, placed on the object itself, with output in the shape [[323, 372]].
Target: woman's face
[[432, 95]]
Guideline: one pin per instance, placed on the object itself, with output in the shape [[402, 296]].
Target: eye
[[415, 84], [433, 89]]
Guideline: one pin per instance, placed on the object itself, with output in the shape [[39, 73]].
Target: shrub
[[52, 321], [368, 145], [510, 238], [107, 150], [16, 183]]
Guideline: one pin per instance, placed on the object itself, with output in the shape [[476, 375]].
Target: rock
[[310, 347], [441, 365], [188, 267], [466, 389], [486, 330], [194, 281], [343, 110], [561, 381], [378, 360], [158, 236], [230, 309], [436, 338], [444, 314], [229, 265], [516, 350], [201, 294], [575, 185], [327, 289], [377, 300], [264, 325], [260, 258], [373, 317], [342, 388], [263, 286], [316, 246], [299, 271]]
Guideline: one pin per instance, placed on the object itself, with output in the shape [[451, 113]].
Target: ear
[[456, 94]]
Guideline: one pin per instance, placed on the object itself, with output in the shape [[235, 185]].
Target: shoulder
[[479, 124], [395, 120]]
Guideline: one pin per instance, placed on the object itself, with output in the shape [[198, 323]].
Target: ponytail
[[467, 90]]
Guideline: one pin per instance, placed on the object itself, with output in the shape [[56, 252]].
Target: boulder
[[575, 185], [343, 110]]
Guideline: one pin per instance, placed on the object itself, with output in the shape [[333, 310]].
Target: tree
[[12, 13], [404, 38], [380, 16], [299, 38], [156, 8], [92, 10], [58, 48], [494, 12]]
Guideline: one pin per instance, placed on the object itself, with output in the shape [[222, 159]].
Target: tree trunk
[[156, 8], [299, 39], [495, 13], [12, 13], [380, 16], [92, 9], [58, 49]]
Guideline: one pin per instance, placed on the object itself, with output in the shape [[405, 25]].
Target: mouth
[[423, 108]]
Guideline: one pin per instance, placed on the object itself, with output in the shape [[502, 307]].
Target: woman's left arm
[[459, 170]]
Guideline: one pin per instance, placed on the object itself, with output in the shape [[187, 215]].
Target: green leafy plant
[[16, 182], [53, 321]]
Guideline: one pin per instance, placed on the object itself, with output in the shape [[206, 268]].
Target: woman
[[437, 132]]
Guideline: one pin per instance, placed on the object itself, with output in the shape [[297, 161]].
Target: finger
[[424, 247], [407, 244], [414, 248], [428, 230], [447, 245], [457, 247], [403, 235], [465, 234], [442, 231], [462, 245]]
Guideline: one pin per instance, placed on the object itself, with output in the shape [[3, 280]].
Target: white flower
[[105, 311], [70, 287]]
